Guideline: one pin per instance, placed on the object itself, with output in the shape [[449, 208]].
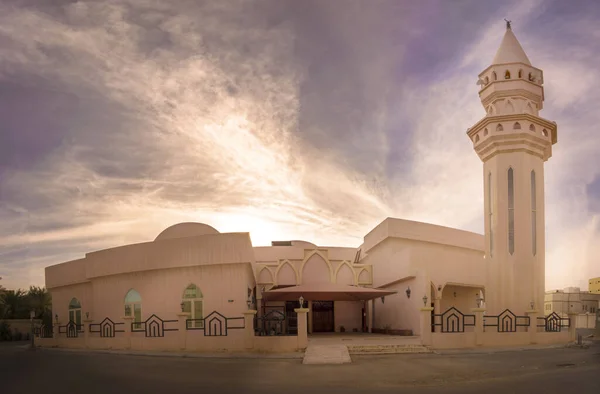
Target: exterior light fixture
[[56, 318], [479, 301], [31, 314], [182, 305], [383, 300], [425, 300], [87, 315], [249, 302], [408, 292], [301, 301], [439, 287], [531, 304], [454, 294]]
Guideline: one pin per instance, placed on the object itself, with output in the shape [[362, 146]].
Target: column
[[127, 334], [426, 337], [533, 321], [572, 327], [86, 331], [302, 327], [437, 304], [370, 316], [55, 333], [478, 312], [249, 329], [182, 327], [310, 317]]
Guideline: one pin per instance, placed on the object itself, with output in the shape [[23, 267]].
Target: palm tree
[[39, 300], [14, 304]]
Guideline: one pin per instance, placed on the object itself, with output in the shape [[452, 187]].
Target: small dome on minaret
[[510, 50]]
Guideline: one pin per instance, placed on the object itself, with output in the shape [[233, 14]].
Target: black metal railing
[[215, 324], [106, 328], [453, 320], [272, 323], [506, 321], [553, 322], [43, 331], [153, 327], [71, 329]]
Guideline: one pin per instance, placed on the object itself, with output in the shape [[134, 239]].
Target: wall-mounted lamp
[[454, 294], [182, 305], [425, 300], [249, 302], [531, 304], [56, 318], [439, 287], [479, 301], [87, 315], [408, 291], [301, 301], [31, 314], [383, 300]]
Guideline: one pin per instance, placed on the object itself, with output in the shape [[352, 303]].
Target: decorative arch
[[265, 275], [507, 74], [485, 132], [491, 110], [286, 274], [510, 108], [494, 76], [133, 306], [545, 133], [319, 268], [517, 126], [486, 80], [344, 274], [520, 73], [532, 127], [364, 277], [476, 137], [192, 303], [499, 127], [529, 108]]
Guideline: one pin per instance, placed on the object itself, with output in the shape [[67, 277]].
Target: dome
[[183, 230]]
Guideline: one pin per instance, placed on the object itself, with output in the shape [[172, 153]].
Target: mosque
[[380, 286]]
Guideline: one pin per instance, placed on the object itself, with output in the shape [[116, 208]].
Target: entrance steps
[[326, 354], [387, 349]]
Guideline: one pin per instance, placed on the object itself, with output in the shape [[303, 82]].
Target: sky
[[311, 120]]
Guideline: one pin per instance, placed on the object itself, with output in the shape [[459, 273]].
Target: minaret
[[513, 142]]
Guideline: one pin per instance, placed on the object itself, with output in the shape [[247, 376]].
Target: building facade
[[594, 285], [571, 300]]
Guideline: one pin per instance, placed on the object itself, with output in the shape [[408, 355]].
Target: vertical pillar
[[302, 327], [533, 321], [249, 329], [86, 332], [310, 317], [182, 327], [127, 334], [55, 333], [572, 327], [437, 304], [478, 312], [370, 316], [425, 329]]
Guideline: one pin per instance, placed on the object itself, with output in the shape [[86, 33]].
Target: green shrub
[[5, 333]]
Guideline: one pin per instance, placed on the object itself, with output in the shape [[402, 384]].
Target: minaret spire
[[508, 27]]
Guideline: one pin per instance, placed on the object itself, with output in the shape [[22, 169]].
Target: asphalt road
[[55, 371]]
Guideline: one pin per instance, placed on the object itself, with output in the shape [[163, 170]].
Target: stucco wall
[[348, 314]]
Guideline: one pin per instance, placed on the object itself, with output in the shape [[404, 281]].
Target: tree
[[15, 306], [40, 301]]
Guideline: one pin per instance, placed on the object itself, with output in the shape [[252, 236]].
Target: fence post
[[86, 332], [532, 329], [127, 334], [478, 325], [182, 329], [302, 327], [249, 328], [426, 337], [55, 332], [572, 327]]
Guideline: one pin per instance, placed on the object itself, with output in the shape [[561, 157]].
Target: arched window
[[520, 74], [133, 307], [499, 127], [511, 212], [494, 76], [532, 127], [75, 311], [490, 210], [486, 80], [530, 77], [491, 110], [477, 138], [533, 215], [517, 126], [193, 304], [545, 133], [485, 132], [507, 75]]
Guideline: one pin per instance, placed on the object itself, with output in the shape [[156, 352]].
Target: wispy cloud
[[288, 121]]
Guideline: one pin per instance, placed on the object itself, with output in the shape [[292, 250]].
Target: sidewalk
[[224, 355], [498, 349]]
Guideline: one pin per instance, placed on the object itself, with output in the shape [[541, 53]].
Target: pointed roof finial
[[508, 24]]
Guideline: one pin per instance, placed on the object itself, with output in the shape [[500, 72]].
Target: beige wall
[[348, 314]]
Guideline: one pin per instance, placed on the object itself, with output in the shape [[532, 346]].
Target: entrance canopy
[[324, 291]]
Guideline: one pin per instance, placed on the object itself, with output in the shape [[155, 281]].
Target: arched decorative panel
[[286, 275], [316, 270], [345, 275], [265, 276], [364, 277]]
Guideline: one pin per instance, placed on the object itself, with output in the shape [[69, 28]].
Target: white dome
[[183, 230]]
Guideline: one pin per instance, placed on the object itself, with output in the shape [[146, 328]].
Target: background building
[[571, 300], [594, 285]]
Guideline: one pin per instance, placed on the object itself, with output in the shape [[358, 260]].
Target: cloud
[[291, 122]]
